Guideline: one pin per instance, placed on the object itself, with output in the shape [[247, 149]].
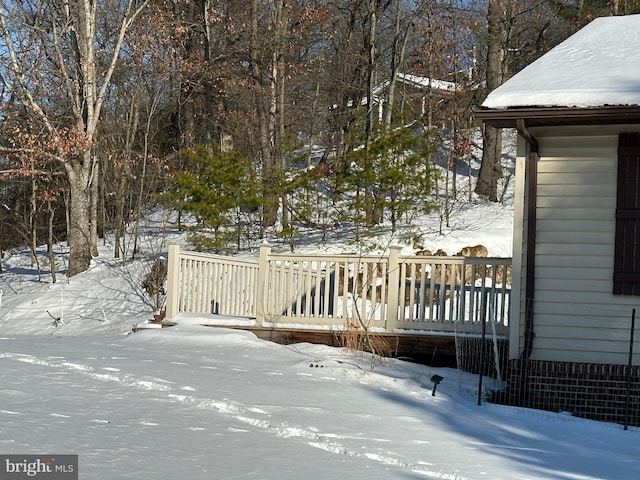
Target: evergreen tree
[[391, 176], [220, 188]]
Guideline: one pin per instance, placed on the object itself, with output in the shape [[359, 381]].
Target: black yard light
[[436, 379]]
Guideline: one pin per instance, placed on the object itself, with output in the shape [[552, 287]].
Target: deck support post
[[261, 287], [393, 287], [173, 280]]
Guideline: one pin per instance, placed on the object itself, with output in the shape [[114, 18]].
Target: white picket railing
[[390, 293]]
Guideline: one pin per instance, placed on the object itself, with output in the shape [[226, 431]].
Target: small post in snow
[[436, 379]]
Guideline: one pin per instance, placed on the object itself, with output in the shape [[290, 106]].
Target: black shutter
[[626, 267]]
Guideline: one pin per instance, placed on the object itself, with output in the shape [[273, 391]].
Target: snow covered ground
[[197, 402], [202, 403]]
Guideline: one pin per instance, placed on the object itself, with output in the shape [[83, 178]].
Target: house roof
[[421, 83], [592, 77]]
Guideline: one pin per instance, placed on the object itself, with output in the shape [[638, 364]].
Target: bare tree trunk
[[118, 221], [208, 84], [400, 39], [143, 176], [397, 59], [52, 257], [78, 235], [371, 56], [139, 203], [281, 135], [265, 105], [490, 169], [397, 55], [95, 193], [614, 6], [371, 213], [278, 98], [32, 225]]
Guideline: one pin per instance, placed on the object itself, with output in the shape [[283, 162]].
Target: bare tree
[[75, 47], [518, 32], [491, 169]]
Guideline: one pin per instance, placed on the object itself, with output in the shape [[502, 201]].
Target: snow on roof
[[419, 82], [425, 82], [597, 66]]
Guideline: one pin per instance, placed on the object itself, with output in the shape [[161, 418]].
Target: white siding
[[576, 316]]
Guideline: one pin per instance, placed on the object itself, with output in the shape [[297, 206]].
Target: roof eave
[[554, 116]]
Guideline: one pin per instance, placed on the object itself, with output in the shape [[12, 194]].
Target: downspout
[[532, 197]]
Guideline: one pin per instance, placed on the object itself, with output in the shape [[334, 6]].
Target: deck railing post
[[173, 281], [393, 287], [261, 287]]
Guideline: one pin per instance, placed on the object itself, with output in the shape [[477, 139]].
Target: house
[[423, 97], [576, 260]]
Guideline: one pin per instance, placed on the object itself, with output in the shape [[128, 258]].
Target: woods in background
[[329, 110]]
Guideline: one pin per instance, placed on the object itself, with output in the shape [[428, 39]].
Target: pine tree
[[221, 186], [391, 176]]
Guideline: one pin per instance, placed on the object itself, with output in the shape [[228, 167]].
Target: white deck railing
[[394, 292]]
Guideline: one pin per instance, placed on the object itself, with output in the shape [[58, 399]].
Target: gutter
[[530, 256], [550, 116]]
